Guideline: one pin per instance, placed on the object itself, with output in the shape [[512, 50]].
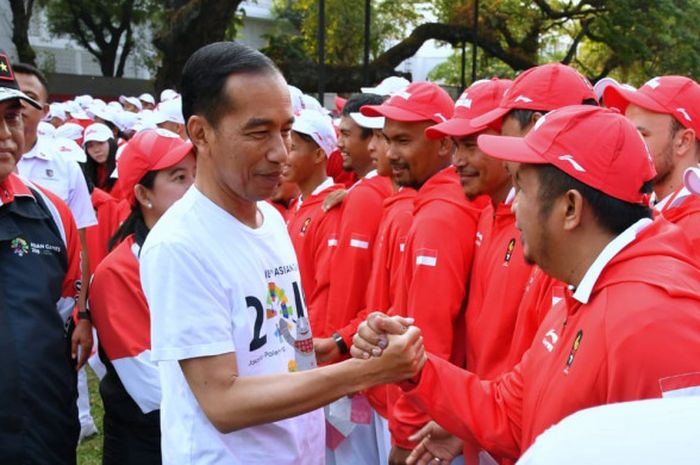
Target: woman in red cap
[[155, 170]]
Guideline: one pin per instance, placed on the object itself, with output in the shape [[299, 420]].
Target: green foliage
[[344, 32], [450, 72]]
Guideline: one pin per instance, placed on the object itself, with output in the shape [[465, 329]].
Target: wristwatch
[[340, 343]]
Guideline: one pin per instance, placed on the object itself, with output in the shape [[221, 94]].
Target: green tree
[[105, 28]]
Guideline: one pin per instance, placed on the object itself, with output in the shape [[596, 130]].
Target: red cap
[[480, 97], [420, 101], [598, 146], [544, 88], [677, 96], [149, 150], [340, 103]]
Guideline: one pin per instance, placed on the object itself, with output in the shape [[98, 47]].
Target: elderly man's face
[[11, 136]]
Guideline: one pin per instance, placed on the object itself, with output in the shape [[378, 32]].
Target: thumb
[[393, 325], [422, 433]]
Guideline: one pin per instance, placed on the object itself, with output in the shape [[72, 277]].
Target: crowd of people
[[405, 279]]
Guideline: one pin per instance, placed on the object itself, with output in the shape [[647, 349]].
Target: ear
[[143, 196], [571, 208], [684, 142], [45, 109], [447, 147], [200, 133], [533, 119], [319, 156]]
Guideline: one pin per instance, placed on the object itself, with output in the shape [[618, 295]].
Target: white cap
[[97, 103], [148, 98], [168, 94], [102, 113], [318, 126], [691, 179], [83, 100], [72, 131], [56, 110], [170, 110], [297, 103], [132, 100], [125, 120], [97, 132], [369, 122], [115, 106], [75, 110], [68, 149], [45, 129], [388, 86], [310, 103]]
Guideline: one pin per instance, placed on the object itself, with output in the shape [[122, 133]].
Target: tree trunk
[[190, 27], [21, 14]]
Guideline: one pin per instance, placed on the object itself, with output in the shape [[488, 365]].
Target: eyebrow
[[257, 122]]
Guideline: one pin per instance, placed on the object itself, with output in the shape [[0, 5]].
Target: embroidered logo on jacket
[[574, 349], [19, 246], [509, 252]]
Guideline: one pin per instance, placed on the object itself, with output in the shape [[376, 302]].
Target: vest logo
[[550, 339], [509, 252], [19, 247], [49, 173], [574, 348], [305, 226]]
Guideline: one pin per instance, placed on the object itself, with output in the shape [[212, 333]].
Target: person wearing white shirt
[[229, 328]]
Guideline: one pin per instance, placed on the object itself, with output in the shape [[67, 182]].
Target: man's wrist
[[342, 346], [84, 315]]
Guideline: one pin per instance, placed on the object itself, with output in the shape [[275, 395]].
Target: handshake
[[393, 348]]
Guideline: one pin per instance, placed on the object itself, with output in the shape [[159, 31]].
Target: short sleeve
[[79, 200], [190, 309]]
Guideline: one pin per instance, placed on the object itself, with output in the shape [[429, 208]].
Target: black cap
[[9, 89]]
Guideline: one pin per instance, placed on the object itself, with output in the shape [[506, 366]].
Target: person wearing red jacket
[[439, 244], [156, 168], [313, 231], [582, 209], [666, 110], [110, 214], [359, 221]]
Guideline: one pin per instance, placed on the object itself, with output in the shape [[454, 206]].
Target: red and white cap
[[388, 86], [597, 146], [477, 99], [420, 101], [677, 96], [318, 126], [149, 150], [543, 88], [97, 132]]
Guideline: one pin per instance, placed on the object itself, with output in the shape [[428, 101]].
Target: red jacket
[[687, 216], [433, 279], [313, 235], [352, 260], [388, 252], [637, 337], [498, 280], [110, 214]]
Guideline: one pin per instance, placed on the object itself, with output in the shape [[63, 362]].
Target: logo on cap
[[464, 102], [685, 113], [5, 69], [573, 162], [653, 83], [522, 98]]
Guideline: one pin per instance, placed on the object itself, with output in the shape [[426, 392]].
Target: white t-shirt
[[215, 286], [645, 432], [45, 166]]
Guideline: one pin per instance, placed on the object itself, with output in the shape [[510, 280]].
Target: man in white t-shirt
[[229, 327]]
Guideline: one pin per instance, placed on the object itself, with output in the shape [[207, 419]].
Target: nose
[[279, 151]]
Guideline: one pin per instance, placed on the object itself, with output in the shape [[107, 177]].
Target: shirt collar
[[371, 174], [39, 150], [320, 188], [510, 197], [672, 200], [13, 187], [585, 287]]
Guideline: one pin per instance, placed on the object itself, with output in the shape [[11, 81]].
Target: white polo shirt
[[216, 286], [44, 166]]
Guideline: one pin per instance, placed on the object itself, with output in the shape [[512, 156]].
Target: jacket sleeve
[[123, 327], [352, 260], [440, 255], [485, 414]]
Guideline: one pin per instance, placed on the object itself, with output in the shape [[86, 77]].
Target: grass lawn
[[90, 451]]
